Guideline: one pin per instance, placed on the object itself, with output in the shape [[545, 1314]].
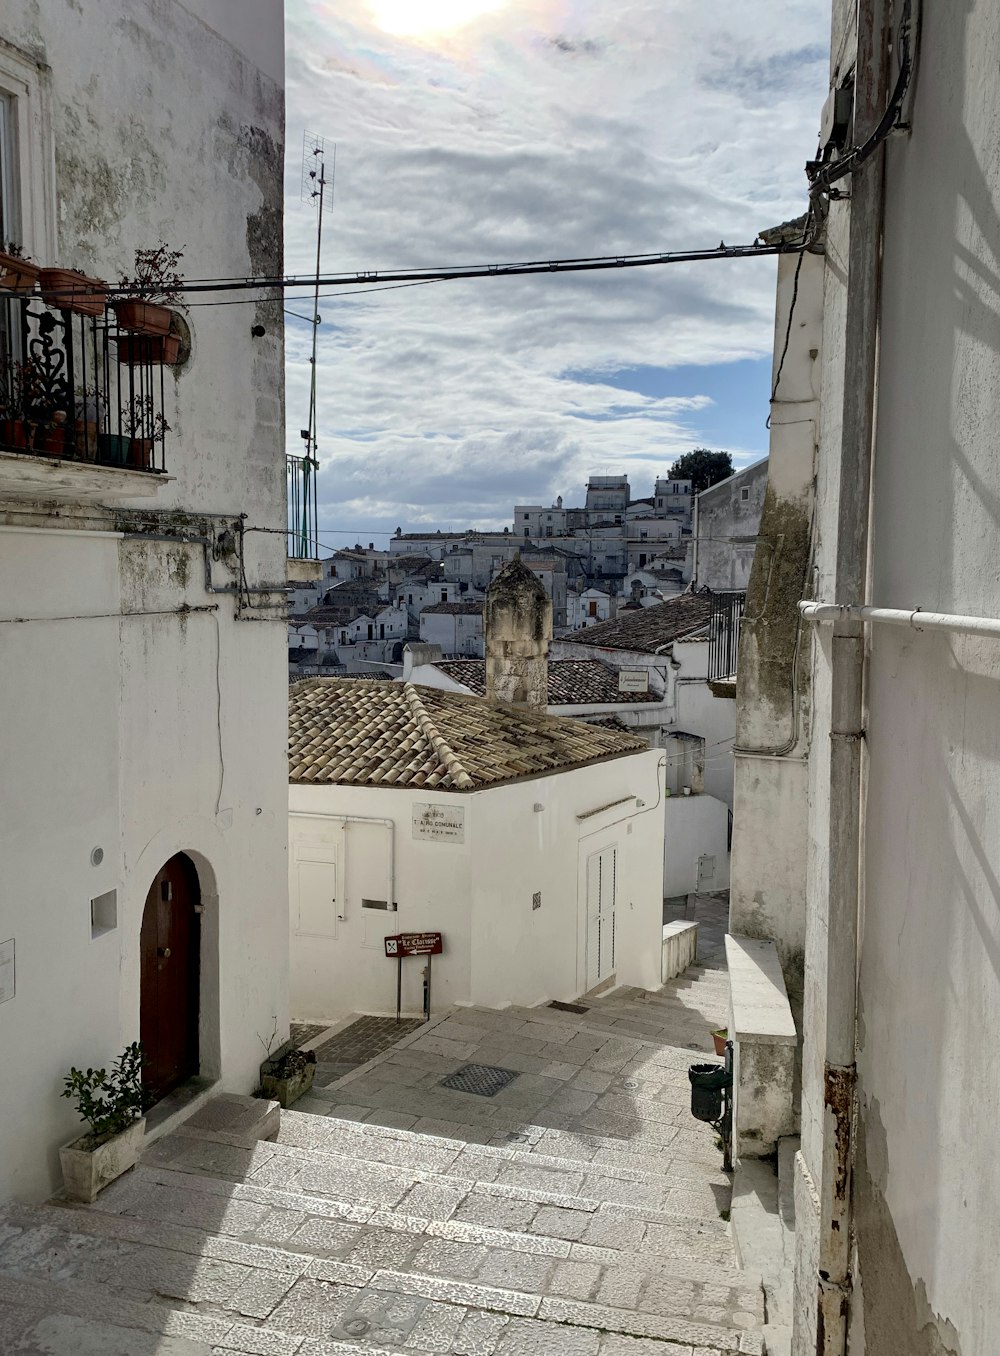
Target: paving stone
[[437, 1328], [434, 1200], [620, 1287], [560, 1070], [616, 1344], [442, 1257], [607, 1230], [260, 1293], [576, 1280], [559, 1223], [313, 1308], [323, 1237], [526, 1338], [382, 1248], [496, 1212], [517, 1271], [458, 1292], [479, 1334], [589, 1080]]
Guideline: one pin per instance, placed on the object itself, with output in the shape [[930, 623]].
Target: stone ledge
[[760, 1012], [679, 948]]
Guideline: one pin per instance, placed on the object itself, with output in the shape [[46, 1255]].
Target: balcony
[[304, 565], [81, 403], [724, 641]]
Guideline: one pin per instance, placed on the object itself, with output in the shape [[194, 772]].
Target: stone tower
[[518, 631]]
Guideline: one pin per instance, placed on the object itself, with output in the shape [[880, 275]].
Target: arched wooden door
[[170, 947]]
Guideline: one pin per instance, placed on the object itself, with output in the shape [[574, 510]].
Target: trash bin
[[708, 1082]]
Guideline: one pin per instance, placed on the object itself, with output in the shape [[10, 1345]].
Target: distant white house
[[534, 845], [456, 627], [667, 646]]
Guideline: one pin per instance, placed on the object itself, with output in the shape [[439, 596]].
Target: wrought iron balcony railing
[[303, 508], [79, 388], [724, 634]]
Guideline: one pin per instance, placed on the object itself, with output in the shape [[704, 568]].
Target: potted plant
[[156, 285], [89, 408], [141, 349], [66, 289], [286, 1077], [113, 1106], [719, 1039], [17, 272], [144, 427]]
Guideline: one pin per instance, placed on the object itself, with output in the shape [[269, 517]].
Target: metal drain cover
[[485, 1080], [568, 1007]]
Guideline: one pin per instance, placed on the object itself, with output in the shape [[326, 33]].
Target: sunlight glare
[[414, 18]]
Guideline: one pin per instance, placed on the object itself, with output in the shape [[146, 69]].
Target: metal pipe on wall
[[389, 824], [916, 619]]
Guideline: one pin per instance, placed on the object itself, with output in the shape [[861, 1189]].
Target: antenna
[[304, 501]]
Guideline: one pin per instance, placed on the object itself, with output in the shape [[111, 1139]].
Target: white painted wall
[[695, 827], [498, 949], [146, 736]]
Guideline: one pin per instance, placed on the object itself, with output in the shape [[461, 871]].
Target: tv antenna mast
[[303, 500]]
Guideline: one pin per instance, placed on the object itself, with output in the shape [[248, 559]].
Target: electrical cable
[[788, 336]]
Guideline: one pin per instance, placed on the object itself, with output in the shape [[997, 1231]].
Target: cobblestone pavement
[[301, 1032], [357, 1044], [576, 1213]]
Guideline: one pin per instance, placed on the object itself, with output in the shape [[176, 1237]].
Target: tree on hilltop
[[702, 467]]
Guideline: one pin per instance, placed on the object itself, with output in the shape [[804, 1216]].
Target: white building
[[457, 628], [667, 648], [544, 885], [142, 757], [726, 521]]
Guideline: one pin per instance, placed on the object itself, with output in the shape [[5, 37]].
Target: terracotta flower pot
[[143, 317], [13, 433], [51, 441], [140, 453], [719, 1039], [68, 290], [17, 275], [137, 349]]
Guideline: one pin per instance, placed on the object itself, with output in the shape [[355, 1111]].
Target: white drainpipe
[[850, 580], [915, 618], [388, 824]]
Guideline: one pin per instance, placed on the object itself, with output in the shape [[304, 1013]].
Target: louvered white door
[[601, 902]]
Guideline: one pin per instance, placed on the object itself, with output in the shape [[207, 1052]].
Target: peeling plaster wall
[[727, 526], [148, 736], [767, 897]]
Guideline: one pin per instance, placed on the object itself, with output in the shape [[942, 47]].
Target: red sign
[[414, 944]]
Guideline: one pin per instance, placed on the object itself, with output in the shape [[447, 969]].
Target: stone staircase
[[579, 1212]]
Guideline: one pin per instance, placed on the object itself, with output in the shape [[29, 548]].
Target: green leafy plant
[[141, 420], [109, 1102], [155, 277], [15, 250]]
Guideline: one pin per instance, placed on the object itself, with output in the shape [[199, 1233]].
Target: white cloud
[[543, 128]]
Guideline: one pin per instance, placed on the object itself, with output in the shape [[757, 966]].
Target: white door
[[319, 908], [601, 890], [706, 874]]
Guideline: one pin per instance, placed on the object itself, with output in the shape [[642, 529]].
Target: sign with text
[[414, 944], [439, 823], [633, 680]]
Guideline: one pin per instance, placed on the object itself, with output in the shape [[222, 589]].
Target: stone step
[[500, 1188], [221, 1291], [379, 1144]]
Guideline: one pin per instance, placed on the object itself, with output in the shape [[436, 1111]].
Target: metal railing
[[724, 634], [303, 508], [78, 388]]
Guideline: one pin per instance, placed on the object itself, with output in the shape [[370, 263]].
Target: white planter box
[[88, 1171]]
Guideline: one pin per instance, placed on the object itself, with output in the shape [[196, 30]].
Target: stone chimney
[[518, 631]]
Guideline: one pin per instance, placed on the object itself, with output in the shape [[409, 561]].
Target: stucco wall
[[145, 736], [726, 528], [499, 949], [695, 826]]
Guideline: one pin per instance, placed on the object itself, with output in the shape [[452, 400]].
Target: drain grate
[[567, 1007], [484, 1080]]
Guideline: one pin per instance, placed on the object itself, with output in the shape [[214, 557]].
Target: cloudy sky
[[487, 131]]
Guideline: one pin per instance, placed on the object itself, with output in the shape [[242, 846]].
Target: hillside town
[[559, 938]]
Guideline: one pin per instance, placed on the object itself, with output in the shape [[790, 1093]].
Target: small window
[[745, 494], [103, 914]]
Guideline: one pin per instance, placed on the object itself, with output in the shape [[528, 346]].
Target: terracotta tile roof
[[572, 682], [467, 607], [394, 734], [685, 616]]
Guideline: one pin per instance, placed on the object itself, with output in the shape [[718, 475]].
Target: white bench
[[680, 948], [764, 1038]]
